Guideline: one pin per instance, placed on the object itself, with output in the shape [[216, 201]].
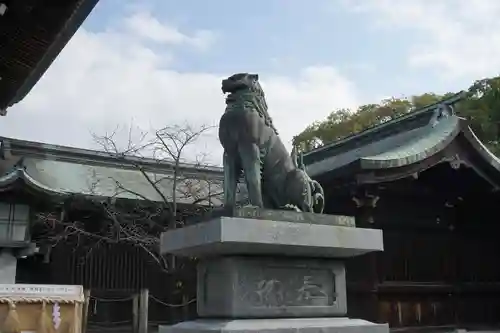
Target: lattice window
[[14, 222]]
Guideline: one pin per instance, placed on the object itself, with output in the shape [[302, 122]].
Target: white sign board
[[41, 290]]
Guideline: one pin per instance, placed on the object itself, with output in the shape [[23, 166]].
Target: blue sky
[[283, 36], [151, 63]]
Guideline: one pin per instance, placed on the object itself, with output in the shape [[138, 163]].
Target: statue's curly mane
[[250, 91]]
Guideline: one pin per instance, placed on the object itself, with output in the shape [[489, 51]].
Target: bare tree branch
[[118, 219]]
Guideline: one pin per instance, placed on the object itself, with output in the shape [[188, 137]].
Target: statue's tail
[[295, 158], [318, 196], [298, 159]]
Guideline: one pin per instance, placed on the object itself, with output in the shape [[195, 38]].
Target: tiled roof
[[406, 123], [400, 142], [65, 178], [61, 171]]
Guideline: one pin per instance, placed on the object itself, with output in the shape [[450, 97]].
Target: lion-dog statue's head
[[245, 86], [241, 81]]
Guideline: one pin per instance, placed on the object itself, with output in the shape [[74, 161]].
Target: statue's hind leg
[[250, 160], [232, 173]]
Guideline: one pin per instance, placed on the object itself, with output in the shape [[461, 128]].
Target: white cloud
[[109, 78], [146, 26], [458, 38]]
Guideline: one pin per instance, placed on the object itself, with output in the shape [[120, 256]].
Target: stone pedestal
[[272, 275], [262, 287]]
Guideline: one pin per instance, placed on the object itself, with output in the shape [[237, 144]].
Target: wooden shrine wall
[[437, 270]]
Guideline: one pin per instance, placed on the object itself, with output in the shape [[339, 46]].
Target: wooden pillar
[[135, 313], [85, 314], [143, 310]]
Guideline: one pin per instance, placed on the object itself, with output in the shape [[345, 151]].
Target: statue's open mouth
[[232, 89], [226, 86]]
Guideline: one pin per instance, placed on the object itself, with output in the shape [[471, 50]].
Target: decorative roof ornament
[[446, 108]]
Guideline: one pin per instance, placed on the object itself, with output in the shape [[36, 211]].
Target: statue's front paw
[[291, 207]]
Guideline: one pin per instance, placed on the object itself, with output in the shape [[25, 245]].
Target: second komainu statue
[[252, 147]]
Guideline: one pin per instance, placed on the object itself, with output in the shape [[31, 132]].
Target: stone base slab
[[274, 215], [266, 287], [311, 325], [244, 236]]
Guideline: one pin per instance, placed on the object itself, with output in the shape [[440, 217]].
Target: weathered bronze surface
[[253, 148]]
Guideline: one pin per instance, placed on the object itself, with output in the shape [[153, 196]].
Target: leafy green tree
[[481, 107]]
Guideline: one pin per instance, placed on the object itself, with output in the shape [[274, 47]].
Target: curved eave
[[403, 155], [397, 151], [480, 148], [68, 29], [395, 127], [485, 163], [430, 147], [436, 138], [8, 181]]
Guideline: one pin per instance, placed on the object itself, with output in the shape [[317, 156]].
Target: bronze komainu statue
[[253, 148]]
